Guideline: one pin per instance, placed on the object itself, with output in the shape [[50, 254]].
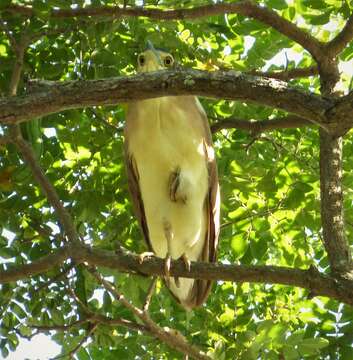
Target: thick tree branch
[[318, 284], [260, 126], [336, 45], [334, 236], [14, 273], [331, 170], [286, 75], [59, 96], [340, 112], [246, 8], [4, 140]]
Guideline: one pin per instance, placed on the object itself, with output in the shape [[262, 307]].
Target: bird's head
[[154, 59]]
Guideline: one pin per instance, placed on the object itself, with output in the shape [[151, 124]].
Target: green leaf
[[315, 4], [312, 346], [83, 354], [5, 3], [319, 19], [277, 4], [290, 353], [346, 352], [227, 317], [239, 245], [259, 244], [268, 183], [7, 252]]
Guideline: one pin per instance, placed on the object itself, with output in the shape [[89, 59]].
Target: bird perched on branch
[[173, 179]]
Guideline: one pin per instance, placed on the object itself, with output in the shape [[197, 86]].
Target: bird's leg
[[175, 187], [169, 236], [187, 264]]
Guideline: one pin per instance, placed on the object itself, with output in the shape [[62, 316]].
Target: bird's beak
[[154, 51], [150, 46]]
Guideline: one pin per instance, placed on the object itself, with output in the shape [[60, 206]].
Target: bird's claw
[[186, 261], [141, 257], [167, 263], [187, 264]]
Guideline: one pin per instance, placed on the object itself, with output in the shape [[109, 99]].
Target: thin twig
[[105, 122], [72, 352], [150, 292], [336, 45], [19, 49], [245, 7], [45, 328], [56, 278], [25, 149], [171, 337], [62, 213], [252, 216], [259, 126], [79, 302], [18, 332], [286, 75], [6, 30], [94, 317]]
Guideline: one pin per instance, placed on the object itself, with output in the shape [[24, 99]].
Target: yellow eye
[[168, 60], [141, 60]]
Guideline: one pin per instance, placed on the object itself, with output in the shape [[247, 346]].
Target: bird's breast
[[163, 132], [163, 138]]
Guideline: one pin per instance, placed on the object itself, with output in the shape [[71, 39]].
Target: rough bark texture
[[341, 115], [333, 115], [59, 96], [317, 284], [335, 240]]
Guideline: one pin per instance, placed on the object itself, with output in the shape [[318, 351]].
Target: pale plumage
[[173, 179]]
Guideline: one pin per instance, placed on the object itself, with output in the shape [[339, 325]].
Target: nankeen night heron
[[173, 179]]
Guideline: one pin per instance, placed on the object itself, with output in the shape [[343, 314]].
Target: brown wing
[[201, 288], [134, 188]]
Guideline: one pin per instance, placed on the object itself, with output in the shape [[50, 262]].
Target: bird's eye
[[168, 60], [141, 60]]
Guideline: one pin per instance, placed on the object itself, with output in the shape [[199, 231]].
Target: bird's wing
[[134, 188], [213, 200], [202, 288]]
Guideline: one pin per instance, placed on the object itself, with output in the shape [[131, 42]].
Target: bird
[[173, 180]]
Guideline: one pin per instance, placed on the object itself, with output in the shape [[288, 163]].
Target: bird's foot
[[175, 188], [168, 258], [167, 262], [187, 264], [141, 257], [186, 261]]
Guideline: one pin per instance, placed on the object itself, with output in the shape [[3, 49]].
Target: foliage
[[270, 189]]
